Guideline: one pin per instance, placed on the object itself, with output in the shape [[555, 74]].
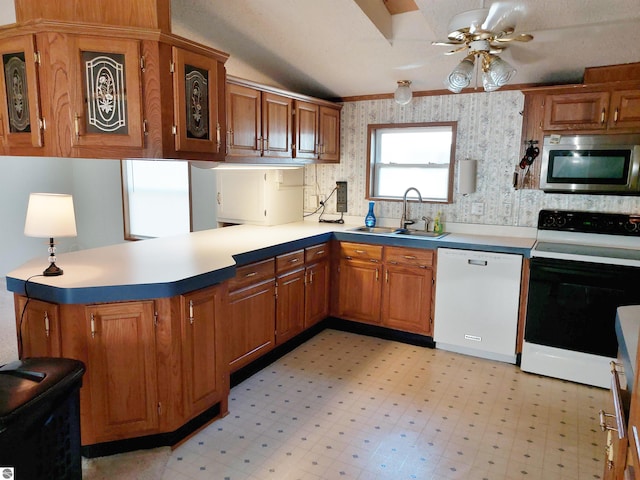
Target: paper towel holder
[[468, 171]]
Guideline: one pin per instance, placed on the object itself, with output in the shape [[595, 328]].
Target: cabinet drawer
[[406, 256], [315, 253], [289, 261], [361, 251], [252, 273]]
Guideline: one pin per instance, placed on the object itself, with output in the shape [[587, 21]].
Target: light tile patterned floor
[[346, 406]]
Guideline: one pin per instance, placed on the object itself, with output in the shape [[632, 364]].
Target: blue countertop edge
[[147, 291]]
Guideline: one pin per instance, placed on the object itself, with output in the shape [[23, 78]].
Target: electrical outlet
[[341, 197], [477, 208]]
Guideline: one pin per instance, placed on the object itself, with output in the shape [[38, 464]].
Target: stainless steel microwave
[[602, 164]]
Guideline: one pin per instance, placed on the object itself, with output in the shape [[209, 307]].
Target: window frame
[[371, 158]]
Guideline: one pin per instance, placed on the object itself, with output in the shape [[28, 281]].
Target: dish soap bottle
[[437, 224], [370, 219]]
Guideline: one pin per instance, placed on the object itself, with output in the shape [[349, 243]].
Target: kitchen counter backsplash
[[489, 131]]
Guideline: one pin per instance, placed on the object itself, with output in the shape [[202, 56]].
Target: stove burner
[[589, 222]]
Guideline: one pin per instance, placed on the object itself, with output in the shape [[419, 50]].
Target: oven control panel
[[589, 222]]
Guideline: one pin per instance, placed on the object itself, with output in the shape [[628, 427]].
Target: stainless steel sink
[[398, 231], [375, 229], [420, 233]]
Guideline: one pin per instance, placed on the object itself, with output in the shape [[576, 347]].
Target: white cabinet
[[477, 301]]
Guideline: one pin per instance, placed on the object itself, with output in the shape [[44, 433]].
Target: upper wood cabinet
[[91, 91], [269, 125], [259, 123], [20, 119]]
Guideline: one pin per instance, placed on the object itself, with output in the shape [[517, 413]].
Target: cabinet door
[[307, 115], [317, 293], [122, 369], [201, 362], [576, 111], [360, 288], [251, 325], [625, 106], [107, 98], [243, 121], [276, 125], [289, 305], [38, 328], [329, 135], [20, 95], [195, 100], [406, 298]]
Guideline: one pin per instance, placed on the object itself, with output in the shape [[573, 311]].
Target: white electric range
[[583, 266]]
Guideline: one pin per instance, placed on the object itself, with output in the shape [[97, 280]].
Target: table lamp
[[50, 215]]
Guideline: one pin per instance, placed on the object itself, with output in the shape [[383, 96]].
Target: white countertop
[[203, 258]]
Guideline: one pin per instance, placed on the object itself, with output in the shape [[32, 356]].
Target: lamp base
[[52, 271]]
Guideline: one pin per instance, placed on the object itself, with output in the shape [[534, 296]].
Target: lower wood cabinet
[[317, 284], [290, 293], [250, 328], [38, 328], [121, 370], [387, 286], [203, 363]]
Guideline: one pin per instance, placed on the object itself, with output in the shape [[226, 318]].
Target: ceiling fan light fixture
[[460, 76], [403, 93], [499, 70]]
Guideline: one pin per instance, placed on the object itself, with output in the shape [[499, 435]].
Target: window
[[155, 198], [419, 155]]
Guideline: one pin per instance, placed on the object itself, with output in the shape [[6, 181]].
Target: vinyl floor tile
[[346, 406]]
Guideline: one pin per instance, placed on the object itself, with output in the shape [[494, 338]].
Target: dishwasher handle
[[479, 263]]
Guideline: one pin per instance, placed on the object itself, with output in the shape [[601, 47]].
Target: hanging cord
[[24, 310]]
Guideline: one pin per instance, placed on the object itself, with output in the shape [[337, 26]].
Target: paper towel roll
[[468, 170]]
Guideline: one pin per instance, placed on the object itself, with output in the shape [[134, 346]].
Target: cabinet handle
[[93, 326], [386, 276], [219, 198], [361, 251], [311, 277], [46, 324], [145, 131], [250, 274], [76, 123], [218, 138], [320, 252], [377, 275], [294, 260], [615, 116], [602, 116], [191, 319], [603, 421], [410, 257], [265, 144]]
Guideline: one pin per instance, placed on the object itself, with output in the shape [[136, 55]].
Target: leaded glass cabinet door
[[21, 123], [196, 110], [108, 98]]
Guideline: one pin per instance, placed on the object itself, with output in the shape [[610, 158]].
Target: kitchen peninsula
[[159, 311]]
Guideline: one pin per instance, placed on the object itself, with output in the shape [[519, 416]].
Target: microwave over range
[[601, 164]]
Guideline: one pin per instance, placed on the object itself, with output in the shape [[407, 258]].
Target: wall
[[489, 131]]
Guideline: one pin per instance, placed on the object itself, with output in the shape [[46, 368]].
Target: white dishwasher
[[477, 300]]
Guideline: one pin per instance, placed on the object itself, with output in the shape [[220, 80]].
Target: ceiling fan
[[483, 33]]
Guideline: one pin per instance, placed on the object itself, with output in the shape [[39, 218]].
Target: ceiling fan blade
[[502, 16], [459, 49], [523, 37], [447, 44]]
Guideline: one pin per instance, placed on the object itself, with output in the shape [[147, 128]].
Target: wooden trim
[[280, 91], [524, 296]]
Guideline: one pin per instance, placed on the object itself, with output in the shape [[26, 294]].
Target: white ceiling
[[330, 48]]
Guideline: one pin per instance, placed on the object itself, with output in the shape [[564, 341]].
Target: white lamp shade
[[461, 75], [50, 215]]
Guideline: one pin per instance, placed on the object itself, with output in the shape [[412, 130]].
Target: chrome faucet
[[404, 221]]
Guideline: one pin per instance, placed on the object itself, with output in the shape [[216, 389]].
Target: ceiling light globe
[[403, 93], [460, 76]]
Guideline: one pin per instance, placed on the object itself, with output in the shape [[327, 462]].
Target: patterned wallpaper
[[489, 131]]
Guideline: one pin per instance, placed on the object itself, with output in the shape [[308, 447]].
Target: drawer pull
[[410, 257], [320, 252], [250, 274], [294, 260], [361, 251]]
